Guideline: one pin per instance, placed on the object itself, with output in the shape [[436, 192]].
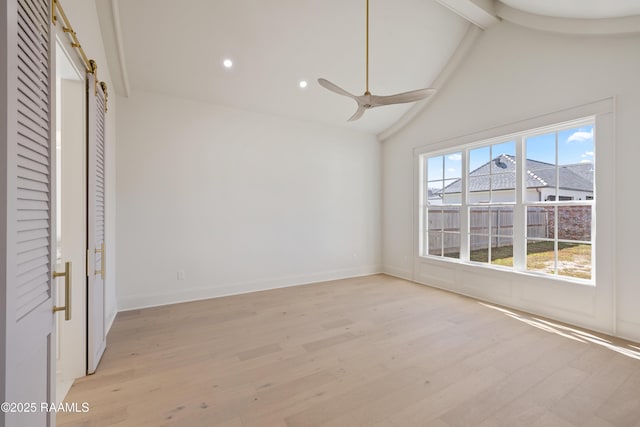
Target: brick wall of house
[[574, 222]]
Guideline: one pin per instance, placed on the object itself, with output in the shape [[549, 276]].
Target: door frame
[[79, 305]]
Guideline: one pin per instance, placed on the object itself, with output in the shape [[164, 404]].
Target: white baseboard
[[628, 330], [397, 272], [134, 302]]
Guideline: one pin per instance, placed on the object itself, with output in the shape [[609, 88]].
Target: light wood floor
[[370, 351]]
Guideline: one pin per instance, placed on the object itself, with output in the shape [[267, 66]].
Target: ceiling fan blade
[[401, 98], [367, 100], [359, 112], [333, 88]]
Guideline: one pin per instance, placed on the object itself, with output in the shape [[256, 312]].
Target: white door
[[26, 211], [97, 331]]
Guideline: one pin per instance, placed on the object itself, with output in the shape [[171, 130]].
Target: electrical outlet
[[180, 274]]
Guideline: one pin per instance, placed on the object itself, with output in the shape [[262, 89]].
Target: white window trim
[[602, 114]]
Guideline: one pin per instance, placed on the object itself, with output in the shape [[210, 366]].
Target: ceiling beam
[[479, 12], [109, 17], [625, 25], [115, 10]]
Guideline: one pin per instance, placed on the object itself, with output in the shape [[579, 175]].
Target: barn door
[[96, 328], [26, 211]]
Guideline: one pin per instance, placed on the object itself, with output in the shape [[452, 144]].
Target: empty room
[[243, 213]]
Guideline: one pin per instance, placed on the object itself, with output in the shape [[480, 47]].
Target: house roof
[[502, 171]]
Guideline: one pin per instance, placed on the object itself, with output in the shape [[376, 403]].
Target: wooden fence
[[498, 220]]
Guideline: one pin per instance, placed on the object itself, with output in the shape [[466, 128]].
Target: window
[[491, 196], [523, 202], [442, 206], [559, 234]]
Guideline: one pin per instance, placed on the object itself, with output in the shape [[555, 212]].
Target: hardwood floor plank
[[525, 380], [367, 351], [259, 351], [337, 323], [432, 408], [351, 398], [551, 420], [623, 407], [581, 403], [519, 413], [329, 342], [599, 422]]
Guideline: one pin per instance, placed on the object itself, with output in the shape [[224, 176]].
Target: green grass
[[574, 259], [499, 256]]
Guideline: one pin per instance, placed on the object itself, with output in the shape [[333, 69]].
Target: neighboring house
[[499, 175]]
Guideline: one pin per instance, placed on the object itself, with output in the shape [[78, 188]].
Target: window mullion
[[519, 220], [422, 180], [464, 209], [555, 209], [443, 207], [555, 238]]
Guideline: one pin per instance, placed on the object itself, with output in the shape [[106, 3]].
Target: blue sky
[[574, 146]]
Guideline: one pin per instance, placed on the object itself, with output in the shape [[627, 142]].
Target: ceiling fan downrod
[[368, 100]]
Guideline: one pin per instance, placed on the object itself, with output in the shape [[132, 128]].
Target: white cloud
[[581, 136], [452, 170], [585, 161], [455, 157]]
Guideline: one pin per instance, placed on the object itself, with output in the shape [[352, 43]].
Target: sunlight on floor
[[628, 350]]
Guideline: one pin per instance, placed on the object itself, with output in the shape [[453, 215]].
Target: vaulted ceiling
[[178, 48], [588, 9]]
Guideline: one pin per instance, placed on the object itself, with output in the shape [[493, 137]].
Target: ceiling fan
[[368, 100]]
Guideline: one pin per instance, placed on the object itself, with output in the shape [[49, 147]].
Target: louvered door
[[96, 342], [27, 207]]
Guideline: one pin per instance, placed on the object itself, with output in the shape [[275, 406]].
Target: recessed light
[[302, 84], [227, 63]]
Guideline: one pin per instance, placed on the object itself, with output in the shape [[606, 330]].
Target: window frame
[[557, 202], [491, 204], [520, 205], [425, 201]]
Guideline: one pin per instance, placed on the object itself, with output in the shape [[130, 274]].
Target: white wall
[[84, 17], [238, 201], [514, 74]]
